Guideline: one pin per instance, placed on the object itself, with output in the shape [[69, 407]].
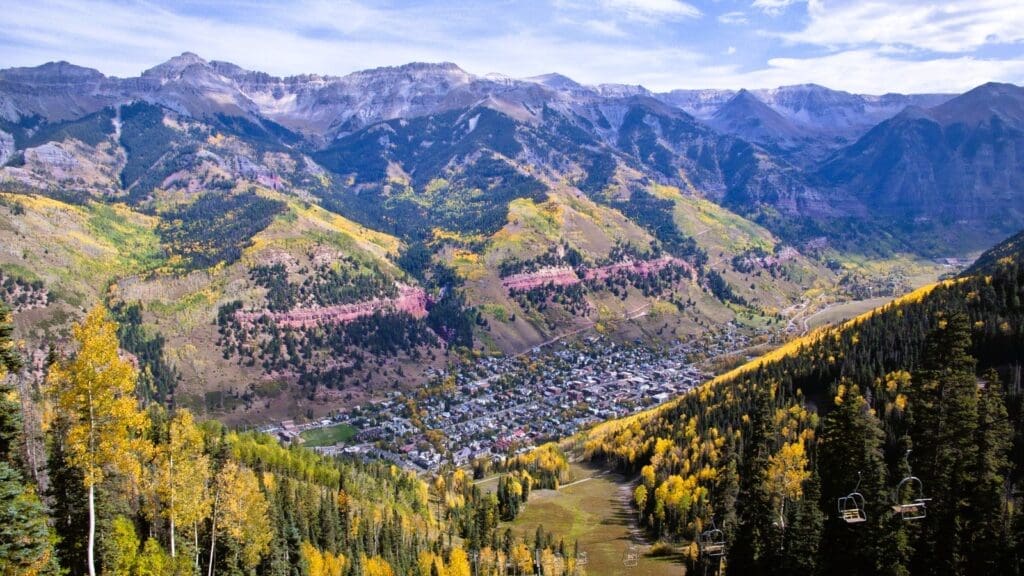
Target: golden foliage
[[787, 471], [321, 563], [95, 393], [376, 566], [243, 512]]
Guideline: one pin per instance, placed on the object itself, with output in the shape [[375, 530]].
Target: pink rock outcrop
[[566, 276], [410, 299], [640, 267], [557, 275]]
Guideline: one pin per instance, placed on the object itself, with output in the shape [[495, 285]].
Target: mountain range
[[419, 210]]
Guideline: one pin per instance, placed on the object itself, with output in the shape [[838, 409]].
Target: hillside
[[927, 169], [1003, 254], [166, 493], [758, 157], [266, 275], [767, 448], [299, 244]]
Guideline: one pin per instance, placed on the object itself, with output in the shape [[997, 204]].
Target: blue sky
[[872, 46]]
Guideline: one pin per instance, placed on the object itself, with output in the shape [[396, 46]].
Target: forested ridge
[[799, 458], [133, 487]]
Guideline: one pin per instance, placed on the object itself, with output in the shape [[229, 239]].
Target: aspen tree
[[182, 475], [243, 514], [95, 391]]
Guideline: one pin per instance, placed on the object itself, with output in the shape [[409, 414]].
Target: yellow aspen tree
[[120, 549], [429, 563], [312, 558], [548, 562], [488, 561], [153, 561], [182, 476], [321, 563], [334, 564], [377, 566], [787, 471], [458, 563], [522, 559], [640, 497], [95, 391], [243, 513]]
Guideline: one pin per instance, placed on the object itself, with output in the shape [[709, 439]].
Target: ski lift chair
[[910, 507], [909, 501], [851, 507], [712, 543]]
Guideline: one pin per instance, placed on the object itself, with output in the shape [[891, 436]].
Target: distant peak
[[61, 71], [997, 88], [416, 69], [807, 86], [981, 103], [622, 90], [430, 66], [554, 80], [746, 99], [176, 65]]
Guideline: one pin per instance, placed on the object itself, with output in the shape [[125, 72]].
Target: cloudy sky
[[872, 46]]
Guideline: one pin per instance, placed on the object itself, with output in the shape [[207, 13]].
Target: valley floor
[[593, 510]]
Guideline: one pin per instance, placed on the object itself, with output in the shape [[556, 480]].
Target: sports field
[[328, 436]]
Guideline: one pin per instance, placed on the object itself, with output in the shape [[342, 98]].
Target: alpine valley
[[413, 320], [281, 246]]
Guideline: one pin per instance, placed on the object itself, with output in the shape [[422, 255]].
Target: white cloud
[[773, 7], [318, 36], [605, 28], [124, 39], [730, 50], [868, 71], [733, 18], [952, 27], [652, 10]]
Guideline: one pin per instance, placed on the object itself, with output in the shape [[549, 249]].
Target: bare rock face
[[6, 147], [72, 166], [54, 91], [54, 157], [411, 300], [567, 276], [552, 275]]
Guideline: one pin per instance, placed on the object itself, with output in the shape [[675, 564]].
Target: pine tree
[[804, 531], [850, 458], [989, 517], [727, 491], [944, 412], [26, 542], [70, 508], [756, 545]]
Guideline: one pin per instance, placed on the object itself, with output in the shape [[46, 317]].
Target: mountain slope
[[954, 167], [785, 429], [508, 213], [749, 118]]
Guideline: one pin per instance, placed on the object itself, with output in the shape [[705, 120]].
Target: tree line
[[891, 445]]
